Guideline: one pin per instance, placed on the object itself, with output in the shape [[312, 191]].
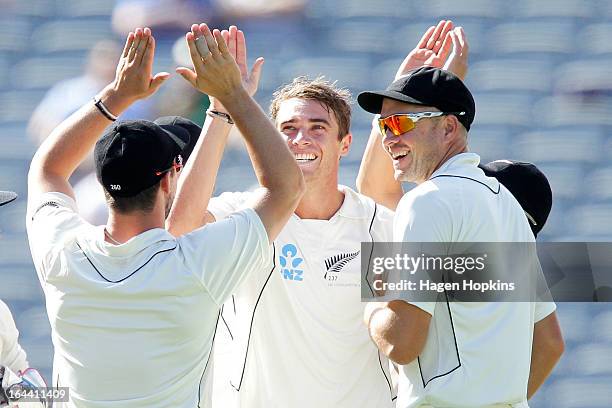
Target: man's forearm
[[376, 176], [547, 348], [69, 143], [197, 181], [398, 329], [274, 165], [542, 365]]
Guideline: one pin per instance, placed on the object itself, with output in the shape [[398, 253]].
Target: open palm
[[434, 50]]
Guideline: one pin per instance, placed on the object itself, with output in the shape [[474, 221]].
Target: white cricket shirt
[[297, 334], [11, 353], [476, 354], [133, 324]]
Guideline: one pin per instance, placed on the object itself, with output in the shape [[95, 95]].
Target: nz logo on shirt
[[335, 264], [290, 263]]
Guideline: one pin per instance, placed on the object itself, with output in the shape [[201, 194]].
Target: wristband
[[222, 115], [103, 109]]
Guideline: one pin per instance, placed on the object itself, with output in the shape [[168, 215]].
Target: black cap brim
[[6, 197], [372, 101]]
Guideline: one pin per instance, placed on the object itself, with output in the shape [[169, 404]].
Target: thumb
[[456, 50], [256, 70], [157, 80], [188, 74]]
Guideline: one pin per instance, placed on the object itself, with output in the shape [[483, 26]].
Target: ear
[[165, 183], [345, 144], [451, 127]]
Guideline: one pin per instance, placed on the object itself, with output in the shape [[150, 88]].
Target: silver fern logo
[[335, 264]]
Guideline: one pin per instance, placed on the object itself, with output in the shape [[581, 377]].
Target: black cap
[[130, 153], [528, 185], [429, 87], [6, 197], [174, 124]]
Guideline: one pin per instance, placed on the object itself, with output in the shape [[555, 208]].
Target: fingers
[[196, 57], [225, 35], [149, 50], [221, 43], [187, 74], [256, 71], [448, 43], [448, 26], [425, 38], [437, 34], [157, 80], [232, 41], [128, 45], [142, 46], [241, 50], [134, 46], [461, 37], [210, 41]]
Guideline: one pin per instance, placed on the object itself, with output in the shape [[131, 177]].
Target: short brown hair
[[333, 98], [142, 202]]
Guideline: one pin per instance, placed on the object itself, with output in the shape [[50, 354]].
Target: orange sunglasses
[[404, 122], [177, 165]]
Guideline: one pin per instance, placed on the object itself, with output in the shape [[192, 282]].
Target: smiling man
[[291, 336], [297, 340], [447, 351]]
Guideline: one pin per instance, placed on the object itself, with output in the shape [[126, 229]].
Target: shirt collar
[[465, 165], [134, 245], [458, 164], [352, 207]]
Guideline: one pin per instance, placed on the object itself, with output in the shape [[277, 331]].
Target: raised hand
[[237, 46], [133, 78], [432, 50], [216, 72], [457, 63]]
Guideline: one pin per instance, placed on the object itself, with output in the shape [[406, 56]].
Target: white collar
[[457, 163]]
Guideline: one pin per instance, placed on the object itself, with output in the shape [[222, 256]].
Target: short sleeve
[[543, 309], [11, 353], [223, 253], [227, 203], [52, 220], [423, 216]]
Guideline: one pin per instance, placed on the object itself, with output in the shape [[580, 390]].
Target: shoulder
[[378, 219], [430, 195], [364, 207], [235, 197]]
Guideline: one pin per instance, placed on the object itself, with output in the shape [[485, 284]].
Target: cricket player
[[294, 328], [451, 354], [133, 309]]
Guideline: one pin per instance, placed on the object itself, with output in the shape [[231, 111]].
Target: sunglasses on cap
[[404, 122], [177, 165]]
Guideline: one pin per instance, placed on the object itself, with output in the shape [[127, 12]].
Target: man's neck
[[320, 203], [452, 152], [122, 227]]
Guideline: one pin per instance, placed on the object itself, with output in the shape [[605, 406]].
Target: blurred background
[[540, 71]]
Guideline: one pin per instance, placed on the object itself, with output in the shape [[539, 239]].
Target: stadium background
[[540, 70]]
